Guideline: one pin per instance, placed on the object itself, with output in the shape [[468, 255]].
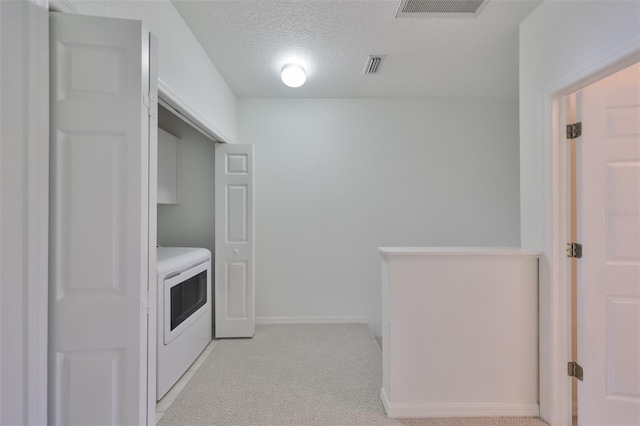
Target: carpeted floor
[[297, 375]]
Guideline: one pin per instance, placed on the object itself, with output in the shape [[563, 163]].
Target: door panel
[[608, 158], [100, 239], [622, 199], [234, 286], [623, 359], [236, 280], [104, 368], [237, 226]]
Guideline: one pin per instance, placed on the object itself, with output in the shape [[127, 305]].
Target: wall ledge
[[457, 251]]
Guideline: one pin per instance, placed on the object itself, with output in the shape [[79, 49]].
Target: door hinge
[[151, 297], [574, 370], [574, 131], [147, 306], [574, 250], [151, 103]]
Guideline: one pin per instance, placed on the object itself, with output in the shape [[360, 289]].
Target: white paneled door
[[234, 270], [608, 159], [102, 234]]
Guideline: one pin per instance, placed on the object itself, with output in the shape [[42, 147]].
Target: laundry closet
[[117, 130], [191, 209], [186, 241]]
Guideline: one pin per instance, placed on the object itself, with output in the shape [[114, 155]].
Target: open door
[[234, 283], [608, 207], [102, 231]]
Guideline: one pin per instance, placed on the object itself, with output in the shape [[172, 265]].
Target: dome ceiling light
[[293, 75]]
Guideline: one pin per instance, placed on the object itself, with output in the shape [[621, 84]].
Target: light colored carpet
[[297, 375]]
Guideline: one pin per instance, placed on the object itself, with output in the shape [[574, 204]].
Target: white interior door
[[102, 239], [234, 283], [608, 167]]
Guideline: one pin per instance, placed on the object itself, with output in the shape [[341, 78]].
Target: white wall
[[337, 178], [191, 222], [24, 161], [183, 64], [562, 43]]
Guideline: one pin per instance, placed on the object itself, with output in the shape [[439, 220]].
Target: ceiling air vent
[[373, 64], [439, 8]]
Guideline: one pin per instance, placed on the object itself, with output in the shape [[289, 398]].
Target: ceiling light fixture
[[293, 75]]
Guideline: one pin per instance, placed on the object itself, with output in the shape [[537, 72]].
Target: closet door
[[234, 284], [102, 241]]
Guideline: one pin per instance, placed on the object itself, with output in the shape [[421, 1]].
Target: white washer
[[184, 311]]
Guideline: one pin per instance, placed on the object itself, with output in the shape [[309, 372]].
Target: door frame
[[27, 145], [556, 333]]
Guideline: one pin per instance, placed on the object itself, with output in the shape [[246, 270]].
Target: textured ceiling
[[249, 41]]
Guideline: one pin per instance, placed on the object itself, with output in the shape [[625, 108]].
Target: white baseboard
[[311, 320], [396, 410], [385, 401]]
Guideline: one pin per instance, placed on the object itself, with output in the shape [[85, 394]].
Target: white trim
[[311, 320], [444, 410], [457, 251], [554, 319], [556, 405], [37, 123], [170, 98], [152, 271], [385, 400], [26, 145], [1, 238]]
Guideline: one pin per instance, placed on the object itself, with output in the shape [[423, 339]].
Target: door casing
[[557, 336], [24, 197]]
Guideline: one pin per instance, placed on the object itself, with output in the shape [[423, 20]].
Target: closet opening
[[186, 181]]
